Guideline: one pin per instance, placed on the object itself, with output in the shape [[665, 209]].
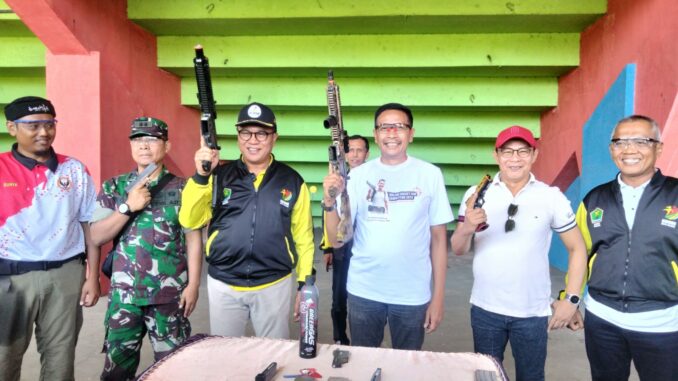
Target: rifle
[[207, 104], [337, 155], [480, 200]]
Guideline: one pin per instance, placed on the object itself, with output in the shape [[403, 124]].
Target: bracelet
[[327, 208]]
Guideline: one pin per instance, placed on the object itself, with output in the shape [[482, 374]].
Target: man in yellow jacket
[[260, 229]]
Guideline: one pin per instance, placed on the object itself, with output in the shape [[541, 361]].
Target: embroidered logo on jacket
[[671, 216], [285, 197], [596, 217], [227, 196]]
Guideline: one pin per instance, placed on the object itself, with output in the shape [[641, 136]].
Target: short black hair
[[394, 106], [356, 137]]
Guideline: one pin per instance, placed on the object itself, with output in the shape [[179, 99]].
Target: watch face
[[574, 299], [123, 208]]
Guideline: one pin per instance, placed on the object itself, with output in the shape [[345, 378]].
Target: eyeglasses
[[35, 125], [150, 140], [510, 222], [638, 143], [385, 128], [507, 153], [260, 135]]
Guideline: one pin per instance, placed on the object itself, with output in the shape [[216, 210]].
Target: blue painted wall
[[597, 166]]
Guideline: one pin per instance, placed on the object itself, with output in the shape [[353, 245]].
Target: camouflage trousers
[[126, 325]]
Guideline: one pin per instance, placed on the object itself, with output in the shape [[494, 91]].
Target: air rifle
[[207, 105], [337, 156]]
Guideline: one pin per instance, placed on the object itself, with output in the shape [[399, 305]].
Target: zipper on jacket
[[254, 220], [626, 273]]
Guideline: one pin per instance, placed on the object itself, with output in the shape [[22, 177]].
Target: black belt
[[8, 267]]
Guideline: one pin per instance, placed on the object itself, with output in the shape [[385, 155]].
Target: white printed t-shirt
[[393, 208]]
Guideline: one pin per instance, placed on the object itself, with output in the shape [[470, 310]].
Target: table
[[242, 358]]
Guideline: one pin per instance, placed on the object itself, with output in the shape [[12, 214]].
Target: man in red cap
[[511, 296]]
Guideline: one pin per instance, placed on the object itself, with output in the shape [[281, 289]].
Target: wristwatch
[[572, 298], [327, 208], [124, 209]]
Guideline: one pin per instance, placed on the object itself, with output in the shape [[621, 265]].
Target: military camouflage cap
[[147, 126]]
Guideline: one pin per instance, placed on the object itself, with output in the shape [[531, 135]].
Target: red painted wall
[[641, 32], [101, 74]]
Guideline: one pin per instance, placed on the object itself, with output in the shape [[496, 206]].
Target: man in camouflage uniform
[[156, 266]]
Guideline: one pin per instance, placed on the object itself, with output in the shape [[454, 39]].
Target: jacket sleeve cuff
[[200, 179]]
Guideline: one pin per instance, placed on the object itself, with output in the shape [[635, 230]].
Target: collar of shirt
[[630, 199], [29, 163]]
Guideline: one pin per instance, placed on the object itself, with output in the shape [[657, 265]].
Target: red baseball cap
[[516, 132]]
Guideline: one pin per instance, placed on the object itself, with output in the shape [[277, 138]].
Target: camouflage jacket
[[150, 264]]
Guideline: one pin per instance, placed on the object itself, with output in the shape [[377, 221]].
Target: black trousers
[[340, 262]]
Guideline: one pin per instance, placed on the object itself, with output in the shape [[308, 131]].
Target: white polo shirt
[[511, 270]]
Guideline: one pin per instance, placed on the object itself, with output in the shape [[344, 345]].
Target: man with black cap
[[156, 264], [399, 251], [46, 201], [260, 229], [511, 296]]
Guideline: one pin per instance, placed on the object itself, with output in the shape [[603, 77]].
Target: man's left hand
[[89, 296], [189, 299], [563, 311], [434, 315]]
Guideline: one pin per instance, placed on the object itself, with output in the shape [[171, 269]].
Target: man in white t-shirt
[[511, 296], [398, 245]]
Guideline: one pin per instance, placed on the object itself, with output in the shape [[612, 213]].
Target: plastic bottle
[[308, 310]]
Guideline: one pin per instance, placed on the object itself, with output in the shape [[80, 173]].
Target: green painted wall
[[467, 68]]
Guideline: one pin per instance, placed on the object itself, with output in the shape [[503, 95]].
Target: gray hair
[[656, 133]]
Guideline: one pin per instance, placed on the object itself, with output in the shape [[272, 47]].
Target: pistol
[[480, 200], [142, 176]]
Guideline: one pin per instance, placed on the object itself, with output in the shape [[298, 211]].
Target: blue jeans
[[610, 350], [528, 339], [368, 318], [340, 261]]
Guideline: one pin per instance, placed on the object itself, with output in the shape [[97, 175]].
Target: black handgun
[[339, 358], [268, 373]]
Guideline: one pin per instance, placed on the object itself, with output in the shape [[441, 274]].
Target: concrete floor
[[566, 354]]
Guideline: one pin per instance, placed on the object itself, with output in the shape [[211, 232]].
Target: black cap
[[23, 106], [147, 126], [256, 114], [394, 106]]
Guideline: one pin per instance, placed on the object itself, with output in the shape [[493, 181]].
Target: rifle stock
[[207, 104], [337, 157]]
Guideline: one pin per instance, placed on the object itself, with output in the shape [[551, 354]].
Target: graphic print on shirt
[[379, 199]]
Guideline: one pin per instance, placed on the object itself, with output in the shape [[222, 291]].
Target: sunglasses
[[510, 223]]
